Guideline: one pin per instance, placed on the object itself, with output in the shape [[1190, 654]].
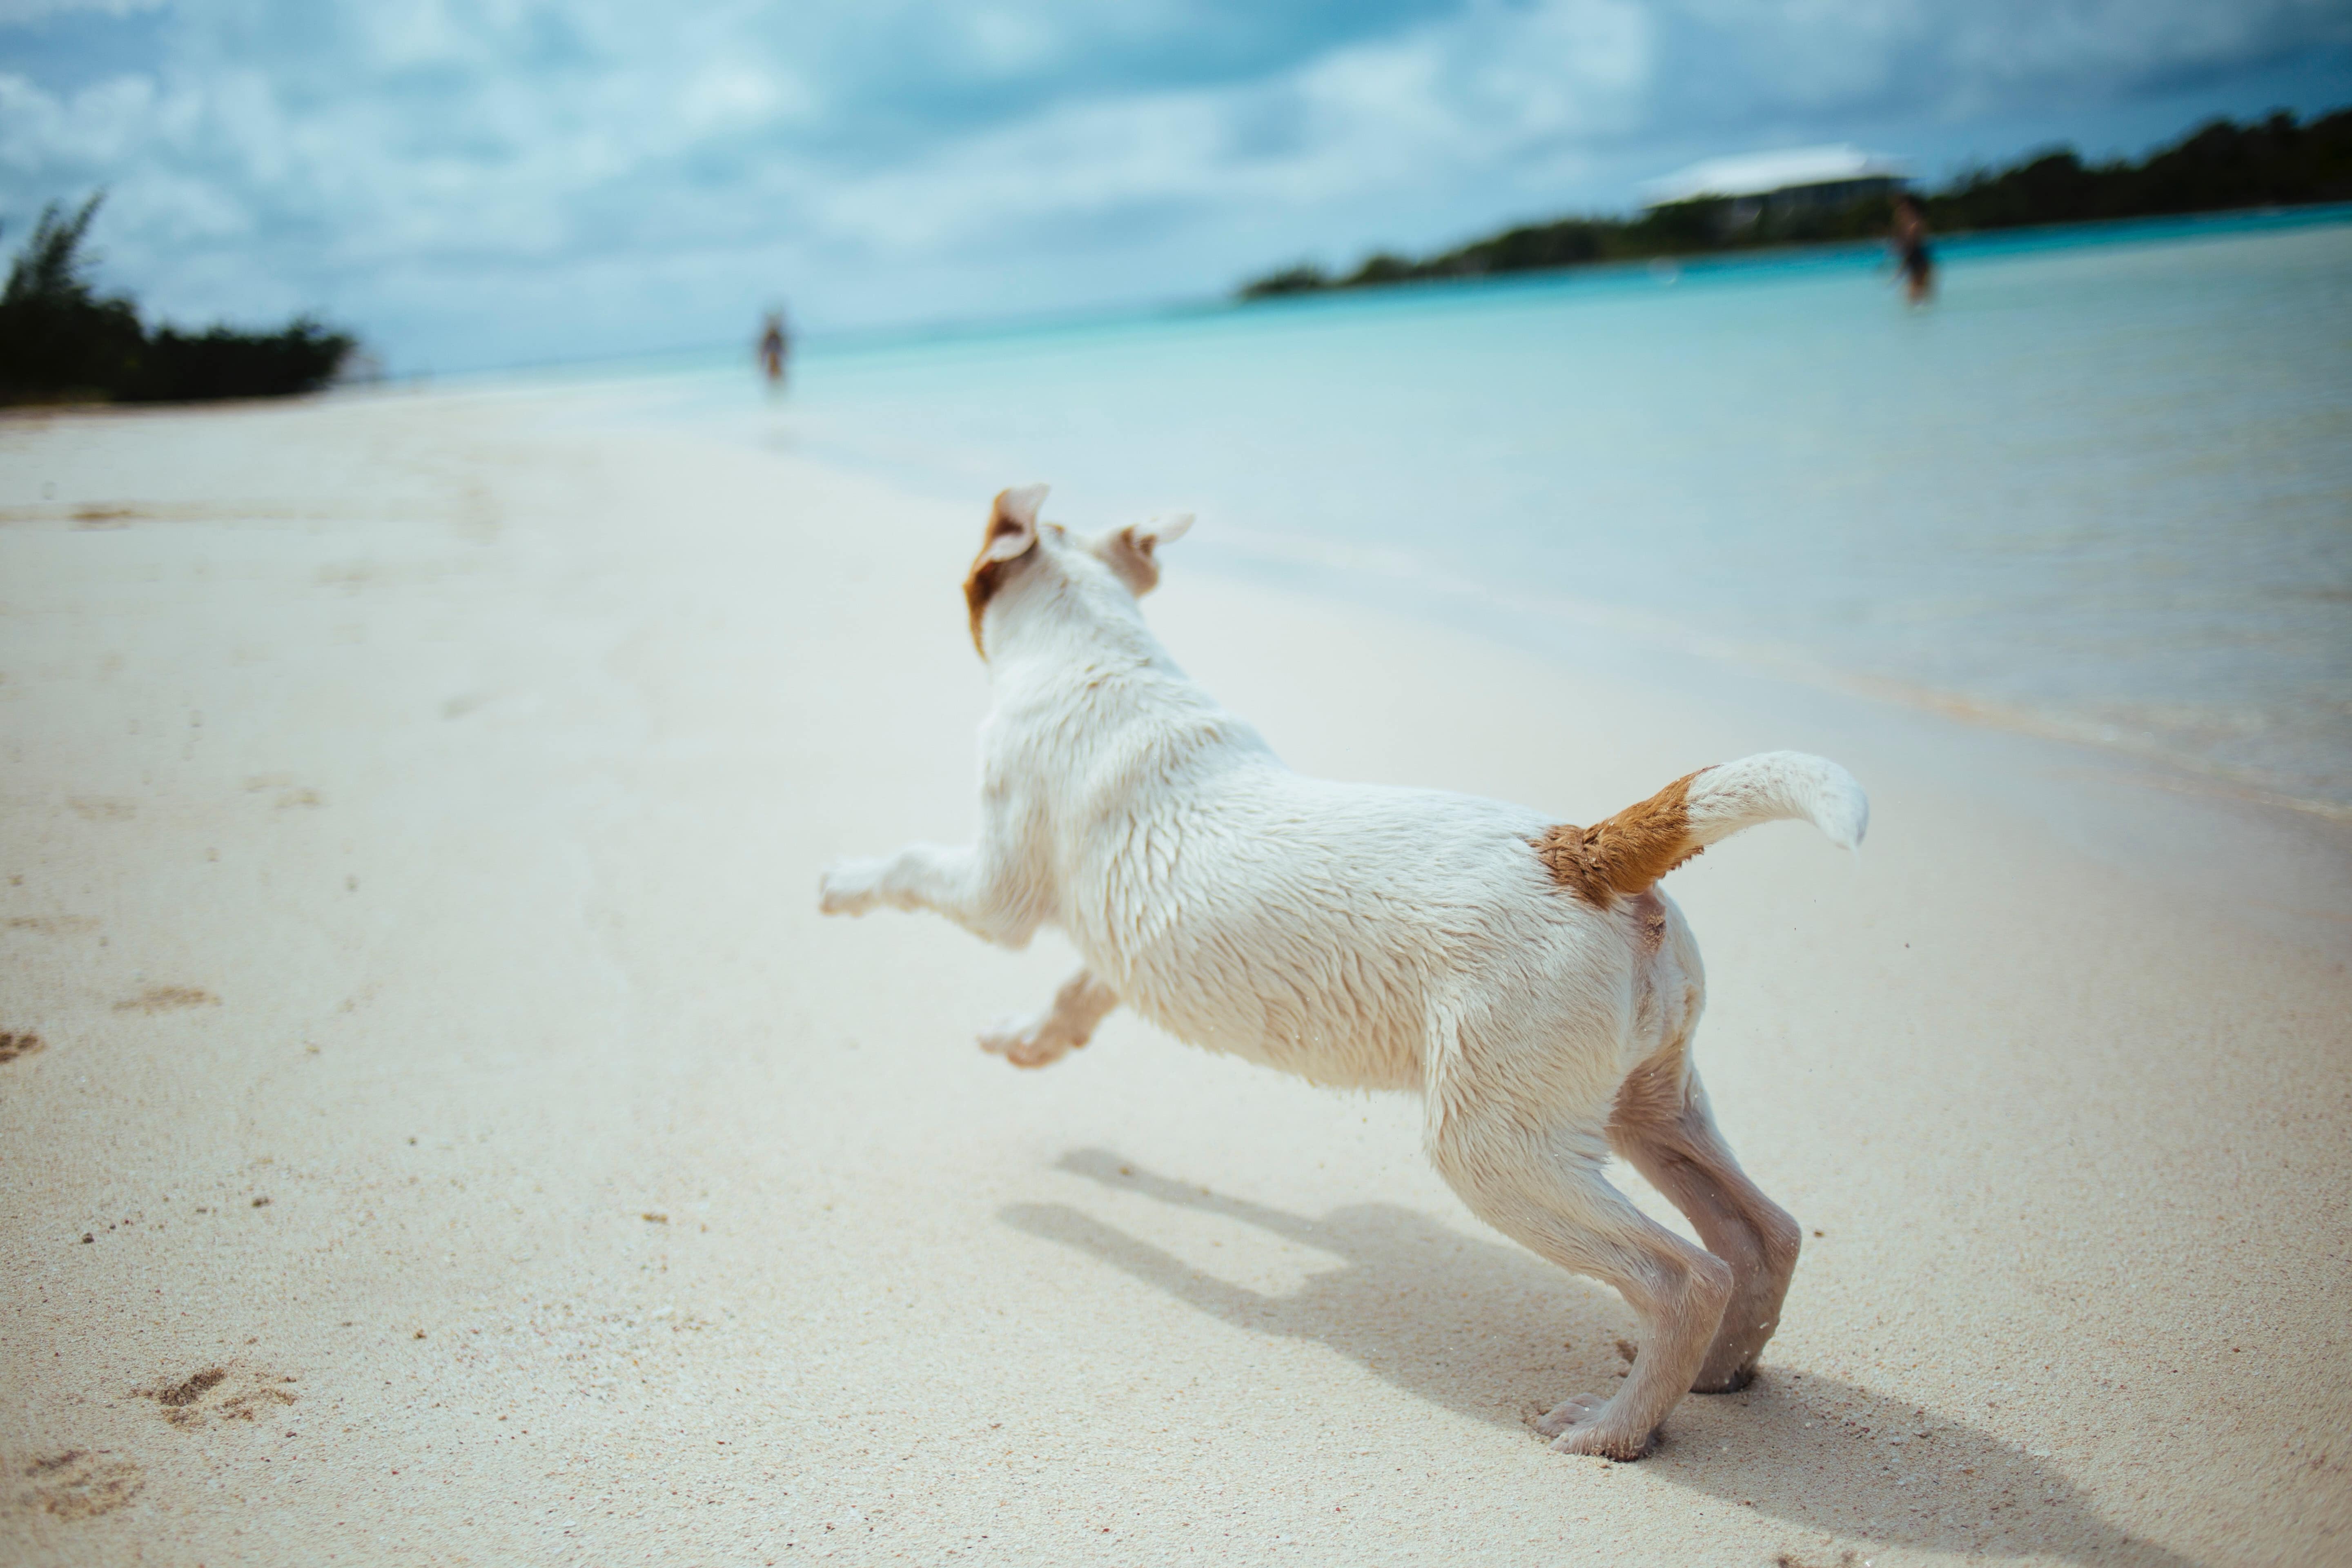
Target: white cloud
[[1005, 41], [731, 95], [15, 13], [914, 157], [101, 124], [1430, 105]]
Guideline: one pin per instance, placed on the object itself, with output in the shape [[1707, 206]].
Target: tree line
[[2276, 162], [61, 341]]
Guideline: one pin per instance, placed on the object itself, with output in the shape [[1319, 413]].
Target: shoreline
[[414, 816], [2279, 858], [2137, 576], [1584, 627]]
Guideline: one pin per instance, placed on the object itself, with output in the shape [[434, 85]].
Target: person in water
[[775, 344], [1913, 260]]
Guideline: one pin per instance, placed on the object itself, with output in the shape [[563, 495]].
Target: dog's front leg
[[980, 892], [1047, 1037]]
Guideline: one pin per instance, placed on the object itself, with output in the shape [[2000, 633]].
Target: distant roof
[[1758, 174]]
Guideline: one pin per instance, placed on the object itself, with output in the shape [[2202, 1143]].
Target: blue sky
[[505, 182]]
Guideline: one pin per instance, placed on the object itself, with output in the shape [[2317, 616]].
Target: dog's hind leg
[[1546, 1191], [1662, 1125], [1047, 1037]]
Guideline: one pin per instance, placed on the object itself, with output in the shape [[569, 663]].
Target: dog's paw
[[1030, 1042], [1584, 1425], [1566, 1414], [1732, 1382], [849, 888]]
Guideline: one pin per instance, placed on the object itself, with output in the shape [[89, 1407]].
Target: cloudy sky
[[503, 181]]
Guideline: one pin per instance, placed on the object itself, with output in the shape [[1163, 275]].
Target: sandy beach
[[440, 1128]]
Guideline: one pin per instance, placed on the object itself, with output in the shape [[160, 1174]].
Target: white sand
[[412, 818]]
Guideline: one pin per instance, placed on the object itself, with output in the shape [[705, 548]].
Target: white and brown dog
[[1527, 979]]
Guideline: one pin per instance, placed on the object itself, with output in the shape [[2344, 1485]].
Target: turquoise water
[[2102, 489]]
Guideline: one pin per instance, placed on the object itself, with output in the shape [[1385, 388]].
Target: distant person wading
[[1909, 241], [775, 346]]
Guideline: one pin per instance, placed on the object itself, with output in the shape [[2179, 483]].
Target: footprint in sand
[[164, 998], [51, 925], [79, 1483], [290, 795], [218, 1393], [18, 1043]]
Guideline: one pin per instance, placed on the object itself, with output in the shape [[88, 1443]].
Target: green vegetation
[[2273, 163], [59, 342]]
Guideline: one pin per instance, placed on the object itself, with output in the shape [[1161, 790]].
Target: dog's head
[[1018, 547]]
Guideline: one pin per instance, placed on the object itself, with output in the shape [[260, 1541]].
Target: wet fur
[[1527, 979]]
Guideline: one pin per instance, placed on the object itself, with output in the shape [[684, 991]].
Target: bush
[[57, 338], [59, 342], [2275, 162], [1300, 280], [187, 367]]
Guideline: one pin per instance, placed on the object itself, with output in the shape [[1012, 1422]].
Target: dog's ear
[[1128, 551], [1012, 523], [1011, 533]]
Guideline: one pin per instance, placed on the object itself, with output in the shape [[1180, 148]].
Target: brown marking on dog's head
[[1128, 551], [1011, 533], [1624, 854]]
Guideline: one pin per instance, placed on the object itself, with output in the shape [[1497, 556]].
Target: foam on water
[[2102, 489]]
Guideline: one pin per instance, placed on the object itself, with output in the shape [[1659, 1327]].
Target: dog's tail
[[1626, 854]]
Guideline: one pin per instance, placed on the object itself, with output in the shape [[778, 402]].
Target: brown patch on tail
[[1624, 854]]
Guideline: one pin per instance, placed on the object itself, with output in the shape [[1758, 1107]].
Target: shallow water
[[2102, 489]]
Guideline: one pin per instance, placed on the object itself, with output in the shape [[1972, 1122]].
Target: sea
[[2100, 491]]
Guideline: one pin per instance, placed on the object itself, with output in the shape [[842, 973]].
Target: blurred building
[[1780, 184]]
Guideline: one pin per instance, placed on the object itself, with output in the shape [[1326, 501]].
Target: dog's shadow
[[1478, 1327]]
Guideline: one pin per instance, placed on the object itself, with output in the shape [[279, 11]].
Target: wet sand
[[440, 1128]]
